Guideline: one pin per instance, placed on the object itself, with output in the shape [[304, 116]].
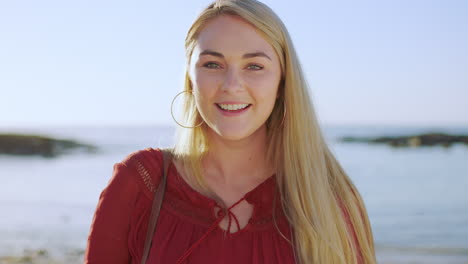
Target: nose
[[232, 81]]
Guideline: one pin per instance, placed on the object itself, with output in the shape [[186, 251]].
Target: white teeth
[[233, 107]]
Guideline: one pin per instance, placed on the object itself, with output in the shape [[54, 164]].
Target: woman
[[252, 179]]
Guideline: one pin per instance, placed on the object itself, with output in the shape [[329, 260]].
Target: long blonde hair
[[327, 214]]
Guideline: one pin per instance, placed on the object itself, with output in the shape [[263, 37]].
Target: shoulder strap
[[157, 202]]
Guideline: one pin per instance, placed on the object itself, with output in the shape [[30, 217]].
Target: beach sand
[[42, 256]]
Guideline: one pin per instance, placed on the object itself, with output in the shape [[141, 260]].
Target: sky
[[386, 62]]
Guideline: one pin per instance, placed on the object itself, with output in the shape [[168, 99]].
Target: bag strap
[[157, 202]]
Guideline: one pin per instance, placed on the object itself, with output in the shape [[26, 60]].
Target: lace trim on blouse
[[145, 175]]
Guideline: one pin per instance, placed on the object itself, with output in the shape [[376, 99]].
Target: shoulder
[[148, 157], [145, 167]]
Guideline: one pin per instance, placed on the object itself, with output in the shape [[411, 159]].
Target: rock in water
[[430, 139], [29, 145]]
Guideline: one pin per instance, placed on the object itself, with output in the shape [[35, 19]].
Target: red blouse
[[187, 230]]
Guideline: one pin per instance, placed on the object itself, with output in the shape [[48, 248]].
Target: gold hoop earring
[[172, 113]]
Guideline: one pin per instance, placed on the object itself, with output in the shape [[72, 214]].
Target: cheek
[[265, 89], [205, 96], [203, 87], [207, 82]]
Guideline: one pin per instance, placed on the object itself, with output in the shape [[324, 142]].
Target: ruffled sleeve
[[120, 220]]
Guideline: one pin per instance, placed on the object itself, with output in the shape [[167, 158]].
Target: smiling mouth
[[233, 107]]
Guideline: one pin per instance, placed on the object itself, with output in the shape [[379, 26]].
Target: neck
[[238, 163]]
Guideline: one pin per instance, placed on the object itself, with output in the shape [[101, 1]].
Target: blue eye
[[255, 67], [211, 65]]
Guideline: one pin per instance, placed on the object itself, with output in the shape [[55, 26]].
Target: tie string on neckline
[[220, 216]]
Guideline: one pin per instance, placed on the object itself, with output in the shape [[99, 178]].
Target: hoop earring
[[172, 113]]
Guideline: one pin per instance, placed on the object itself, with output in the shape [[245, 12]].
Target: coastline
[[42, 256]]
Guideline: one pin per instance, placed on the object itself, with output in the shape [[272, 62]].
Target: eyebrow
[[245, 56]]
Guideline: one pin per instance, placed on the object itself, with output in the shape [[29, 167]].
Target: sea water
[[416, 198]]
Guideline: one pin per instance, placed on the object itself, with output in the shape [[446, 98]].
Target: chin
[[233, 133]]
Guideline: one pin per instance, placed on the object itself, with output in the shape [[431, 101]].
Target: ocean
[[416, 198]]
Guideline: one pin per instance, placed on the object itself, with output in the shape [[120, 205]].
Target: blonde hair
[[327, 214]]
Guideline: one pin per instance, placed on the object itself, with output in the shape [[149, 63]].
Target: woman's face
[[235, 75]]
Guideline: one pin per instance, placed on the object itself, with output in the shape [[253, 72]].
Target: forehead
[[231, 36]]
